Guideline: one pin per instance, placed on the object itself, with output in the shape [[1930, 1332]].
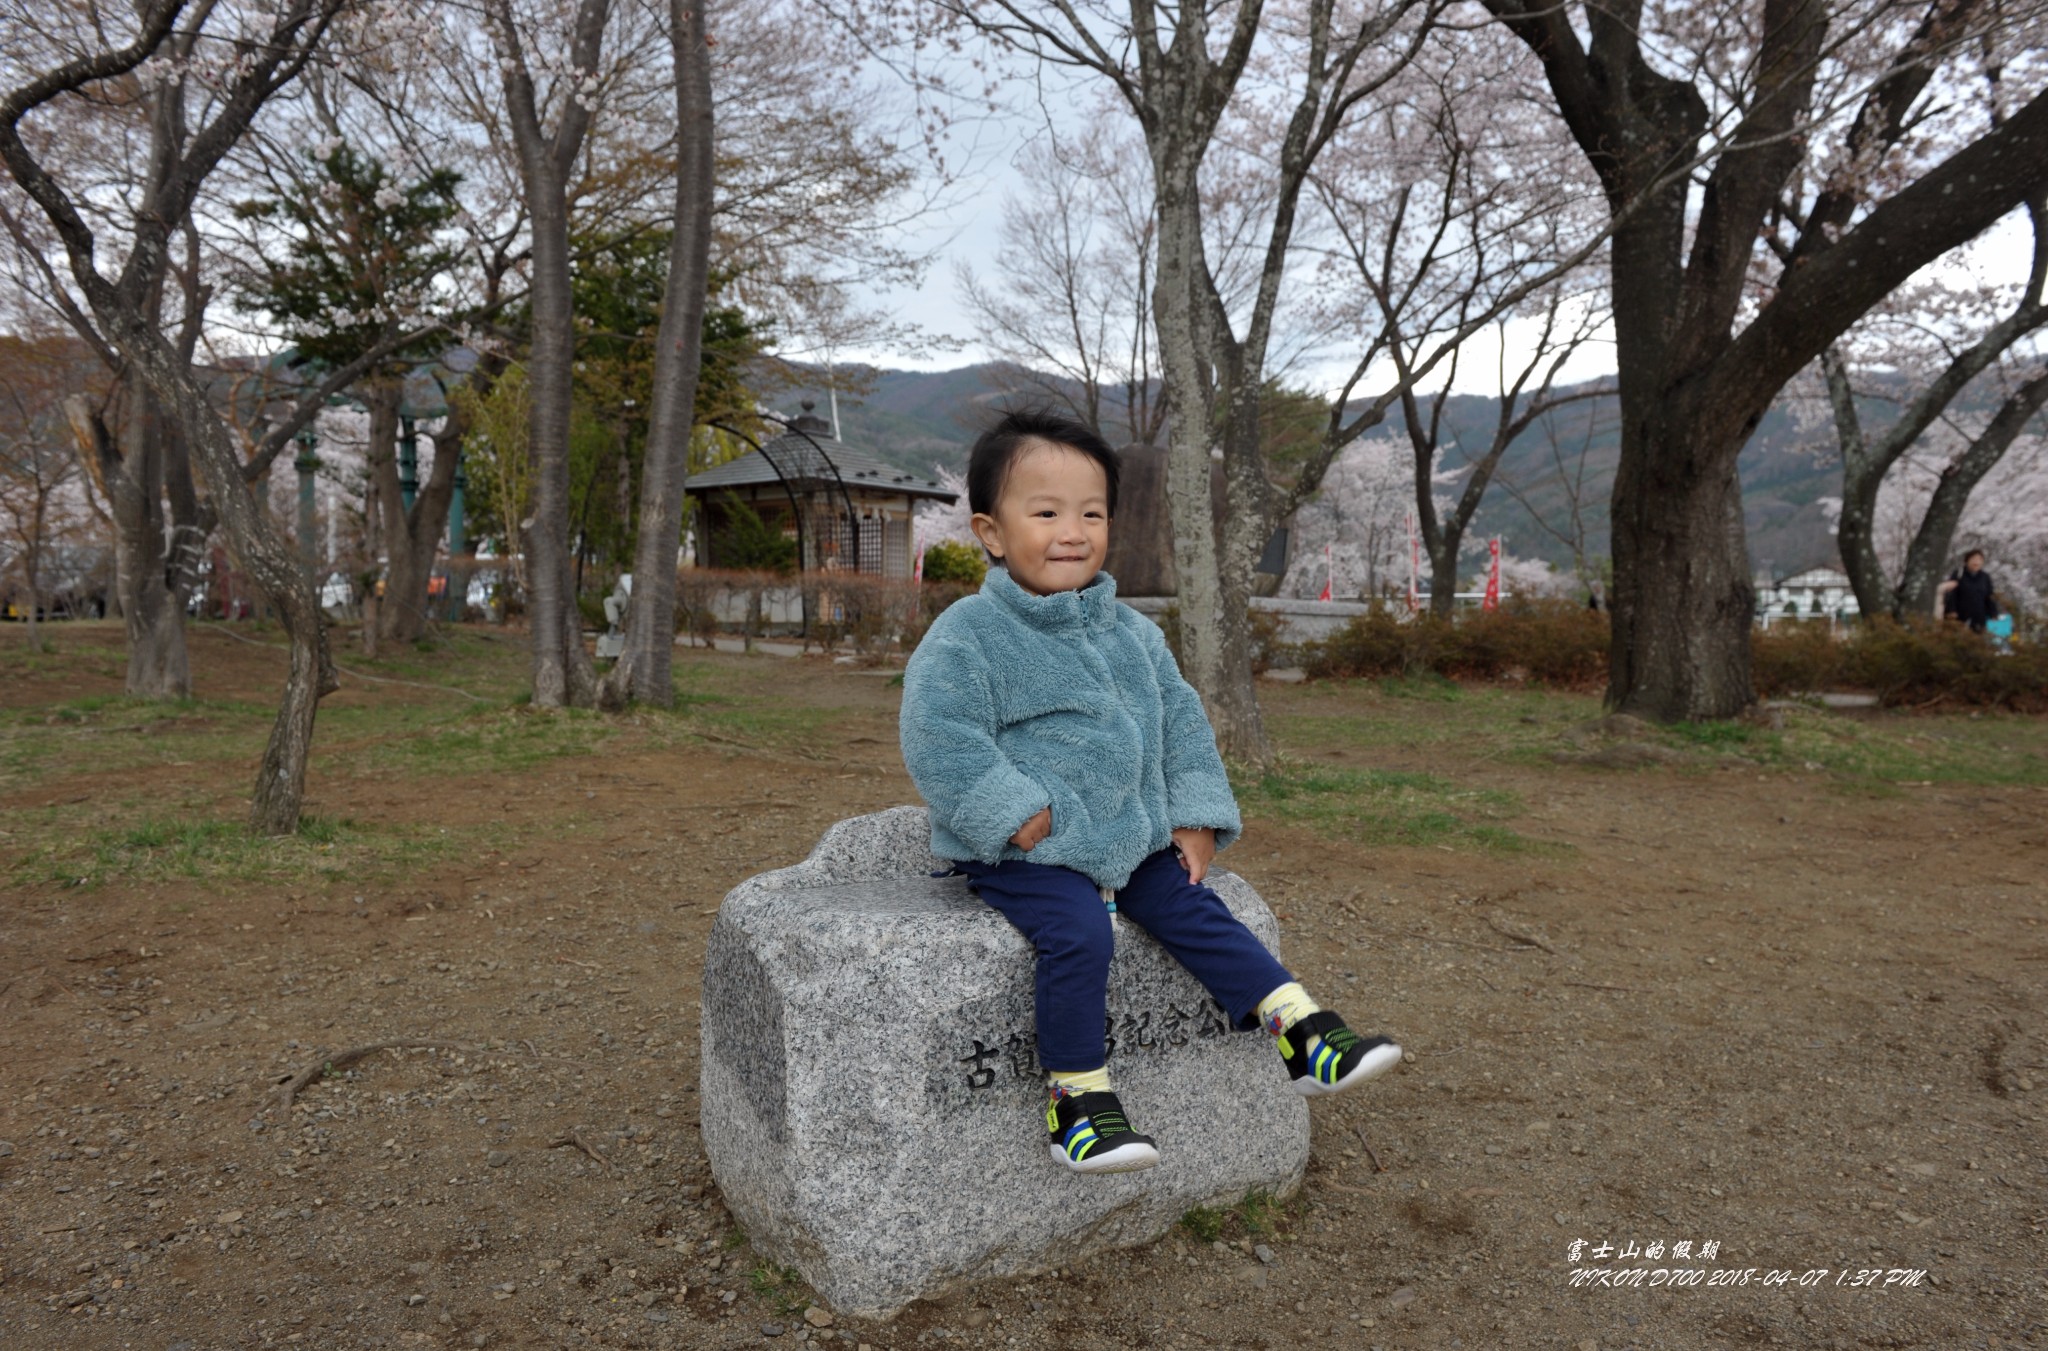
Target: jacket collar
[[1090, 609]]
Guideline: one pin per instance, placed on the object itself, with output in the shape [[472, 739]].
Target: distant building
[[1816, 593], [841, 505]]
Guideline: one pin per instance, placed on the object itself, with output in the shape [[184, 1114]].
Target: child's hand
[[1196, 846], [1034, 830]]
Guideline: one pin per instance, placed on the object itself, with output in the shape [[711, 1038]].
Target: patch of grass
[[1871, 751], [1362, 715], [111, 732], [491, 666], [496, 741], [1204, 1224], [719, 701], [782, 1288], [159, 849], [1381, 807], [1714, 736], [1427, 685], [1255, 1216], [1882, 751], [1259, 1213]]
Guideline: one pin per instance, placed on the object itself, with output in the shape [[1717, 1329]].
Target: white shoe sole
[[1126, 1159], [1376, 1062]]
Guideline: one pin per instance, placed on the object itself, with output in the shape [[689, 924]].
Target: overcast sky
[[966, 231]]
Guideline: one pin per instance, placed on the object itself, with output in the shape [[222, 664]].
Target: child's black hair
[[996, 449]]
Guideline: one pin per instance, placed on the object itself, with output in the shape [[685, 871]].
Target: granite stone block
[[872, 1104]]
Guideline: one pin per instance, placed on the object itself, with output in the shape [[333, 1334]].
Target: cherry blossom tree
[[1970, 376], [1771, 171], [1353, 534]]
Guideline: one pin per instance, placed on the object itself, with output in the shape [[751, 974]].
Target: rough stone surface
[[872, 1107]]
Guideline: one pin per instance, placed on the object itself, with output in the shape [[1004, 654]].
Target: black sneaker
[[1090, 1135], [1341, 1059]]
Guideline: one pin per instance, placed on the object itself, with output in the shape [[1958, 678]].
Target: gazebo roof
[[803, 453]]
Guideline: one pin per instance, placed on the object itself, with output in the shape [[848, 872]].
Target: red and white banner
[[916, 554], [1492, 601], [1329, 575]]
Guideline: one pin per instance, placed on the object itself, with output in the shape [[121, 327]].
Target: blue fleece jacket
[[1016, 701]]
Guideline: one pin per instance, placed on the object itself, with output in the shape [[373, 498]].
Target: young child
[[1070, 772]]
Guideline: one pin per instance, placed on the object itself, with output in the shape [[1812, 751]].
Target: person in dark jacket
[[1968, 594]]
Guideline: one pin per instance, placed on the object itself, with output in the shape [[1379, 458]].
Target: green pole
[[458, 545], [306, 462], [408, 461]]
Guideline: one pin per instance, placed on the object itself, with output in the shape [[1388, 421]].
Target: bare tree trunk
[[1862, 476], [157, 543], [1209, 649], [269, 561], [414, 541], [31, 569], [410, 538], [562, 671], [644, 671], [1682, 605], [380, 457], [1443, 571]]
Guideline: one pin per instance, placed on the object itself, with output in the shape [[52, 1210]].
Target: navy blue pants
[[1062, 913]]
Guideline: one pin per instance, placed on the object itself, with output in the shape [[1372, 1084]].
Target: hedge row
[[1565, 645], [1904, 665], [1554, 642]]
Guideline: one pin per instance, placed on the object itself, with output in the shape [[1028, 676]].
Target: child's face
[[1051, 523]]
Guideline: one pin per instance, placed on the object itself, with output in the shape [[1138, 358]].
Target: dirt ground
[[1786, 1009]]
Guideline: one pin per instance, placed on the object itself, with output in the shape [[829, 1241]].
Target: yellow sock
[[1285, 1007], [1073, 1083]]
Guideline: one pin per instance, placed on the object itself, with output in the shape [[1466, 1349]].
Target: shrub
[[1563, 645], [1795, 659], [748, 542], [950, 561], [932, 600], [1556, 642], [1919, 664]]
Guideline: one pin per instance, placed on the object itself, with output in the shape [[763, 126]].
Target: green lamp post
[[306, 462]]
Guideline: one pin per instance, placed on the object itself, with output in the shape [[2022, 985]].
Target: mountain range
[[919, 420]]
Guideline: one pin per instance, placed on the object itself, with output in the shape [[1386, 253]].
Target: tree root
[[575, 1137], [1500, 926], [1370, 1152], [288, 1089]]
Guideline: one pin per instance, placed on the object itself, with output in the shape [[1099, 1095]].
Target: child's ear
[[988, 532]]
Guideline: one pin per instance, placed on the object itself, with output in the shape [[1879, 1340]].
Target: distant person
[[1063, 754], [1593, 598], [1968, 594]]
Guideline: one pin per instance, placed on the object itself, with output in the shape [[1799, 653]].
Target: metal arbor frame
[[801, 468]]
